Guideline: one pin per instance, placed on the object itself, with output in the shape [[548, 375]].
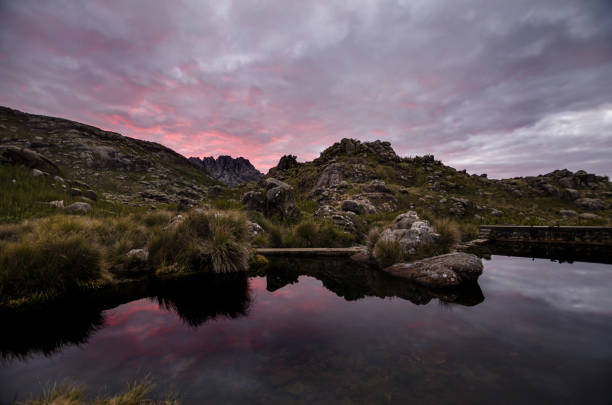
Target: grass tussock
[[205, 241], [43, 258], [388, 252], [47, 267], [449, 231], [372, 238], [66, 394]]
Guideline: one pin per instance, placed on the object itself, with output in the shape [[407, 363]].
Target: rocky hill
[[228, 170], [122, 169], [353, 178], [350, 179]]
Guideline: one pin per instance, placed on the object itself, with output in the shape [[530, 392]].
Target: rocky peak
[[347, 147], [228, 170], [287, 162]]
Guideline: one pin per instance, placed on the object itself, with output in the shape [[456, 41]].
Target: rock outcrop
[[411, 232], [449, 270], [593, 204], [228, 170], [26, 157], [78, 208], [380, 149], [275, 198]]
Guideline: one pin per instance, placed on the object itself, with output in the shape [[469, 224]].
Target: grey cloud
[[292, 77]]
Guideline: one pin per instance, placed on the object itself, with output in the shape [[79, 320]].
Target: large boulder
[[342, 219], [592, 204], [26, 157], [79, 208], [376, 186], [330, 177], [449, 270], [405, 220], [254, 201], [420, 233], [275, 199], [570, 194], [359, 206]]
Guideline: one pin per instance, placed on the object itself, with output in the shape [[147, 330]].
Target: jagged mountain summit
[[228, 170], [123, 169]]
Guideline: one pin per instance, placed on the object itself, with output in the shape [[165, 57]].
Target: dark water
[[531, 331]]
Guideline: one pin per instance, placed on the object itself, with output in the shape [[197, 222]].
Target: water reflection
[[314, 333], [558, 253], [353, 281], [27, 333], [199, 299], [195, 299]]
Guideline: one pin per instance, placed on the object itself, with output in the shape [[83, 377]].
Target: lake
[[328, 331]]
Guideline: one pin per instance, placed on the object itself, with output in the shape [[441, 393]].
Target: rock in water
[[449, 270]]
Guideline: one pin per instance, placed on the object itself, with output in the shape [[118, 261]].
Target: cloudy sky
[[504, 87]]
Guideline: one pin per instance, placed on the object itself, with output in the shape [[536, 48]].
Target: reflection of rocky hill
[[195, 299], [200, 298], [354, 281], [46, 331]]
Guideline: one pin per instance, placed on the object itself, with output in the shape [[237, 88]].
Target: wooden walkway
[[309, 252]]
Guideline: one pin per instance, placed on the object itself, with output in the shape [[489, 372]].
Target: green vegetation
[[203, 241], [307, 233], [46, 267], [449, 232], [26, 196], [66, 394], [388, 252], [43, 258]]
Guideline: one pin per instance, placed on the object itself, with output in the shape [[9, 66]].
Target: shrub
[[388, 252], [307, 234]]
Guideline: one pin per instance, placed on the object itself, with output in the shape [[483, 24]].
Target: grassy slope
[[59, 137]]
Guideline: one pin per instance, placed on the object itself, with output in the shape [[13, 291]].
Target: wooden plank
[[309, 251]]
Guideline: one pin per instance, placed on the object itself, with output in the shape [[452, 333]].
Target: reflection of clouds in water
[[309, 339], [578, 286]]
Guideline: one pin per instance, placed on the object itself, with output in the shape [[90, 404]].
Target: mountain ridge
[[348, 176], [228, 170]]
